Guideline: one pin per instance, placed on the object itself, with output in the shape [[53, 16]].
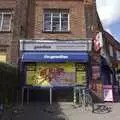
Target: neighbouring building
[[113, 50], [13, 14], [7, 12], [21, 20]]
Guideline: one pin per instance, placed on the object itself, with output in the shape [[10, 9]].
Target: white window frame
[[51, 27], [2, 20]]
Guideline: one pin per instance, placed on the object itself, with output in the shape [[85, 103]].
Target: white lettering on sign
[[55, 57]]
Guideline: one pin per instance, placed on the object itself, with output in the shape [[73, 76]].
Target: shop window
[[46, 74], [5, 20], [56, 20], [3, 57], [81, 75]]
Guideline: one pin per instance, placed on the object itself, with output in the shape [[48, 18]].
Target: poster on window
[[55, 74], [81, 77]]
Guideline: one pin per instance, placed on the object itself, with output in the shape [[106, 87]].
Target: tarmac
[[62, 111]]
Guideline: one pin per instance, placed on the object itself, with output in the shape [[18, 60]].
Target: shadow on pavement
[[99, 106], [43, 111], [36, 111], [102, 108], [40, 109]]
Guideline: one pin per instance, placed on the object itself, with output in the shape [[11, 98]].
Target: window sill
[[57, 32]]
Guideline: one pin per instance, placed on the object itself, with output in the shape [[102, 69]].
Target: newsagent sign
[[50, 45]]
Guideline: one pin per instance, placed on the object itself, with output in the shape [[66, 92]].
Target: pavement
[[63, 111]]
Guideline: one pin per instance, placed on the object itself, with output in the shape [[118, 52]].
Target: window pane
[[47, 22], [6, 22], [47, 26], [64, 22], [47, 16], [56, 15], [56, 22], [64, 26], [64, 16], [55, 27]]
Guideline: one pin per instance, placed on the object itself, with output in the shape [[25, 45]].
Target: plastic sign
[[41, 45], [108, 93], [98, 41]]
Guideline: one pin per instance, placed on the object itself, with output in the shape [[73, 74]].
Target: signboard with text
[[40, 45]]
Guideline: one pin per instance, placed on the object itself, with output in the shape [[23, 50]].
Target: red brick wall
[[11, 39], [28, 22], [7, 4], [77, 19], [20, 26], [7, 37]]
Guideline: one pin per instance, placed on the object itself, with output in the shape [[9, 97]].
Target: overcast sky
[[109, 13]]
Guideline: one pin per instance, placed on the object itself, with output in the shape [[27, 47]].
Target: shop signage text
[[55, 57], [79, 45]]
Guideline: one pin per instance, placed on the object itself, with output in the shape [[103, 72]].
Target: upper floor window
[[118, 55], [5, 20], [111, 50], [56, 20]]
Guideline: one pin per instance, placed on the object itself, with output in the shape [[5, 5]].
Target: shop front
[[56, 69], [44, 65]]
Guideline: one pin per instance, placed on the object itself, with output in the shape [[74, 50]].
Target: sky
[[109, 13]]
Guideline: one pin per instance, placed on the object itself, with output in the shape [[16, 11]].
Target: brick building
[[7, 11], [24, 19], [12, 28], [58, 34], [80, 18]]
